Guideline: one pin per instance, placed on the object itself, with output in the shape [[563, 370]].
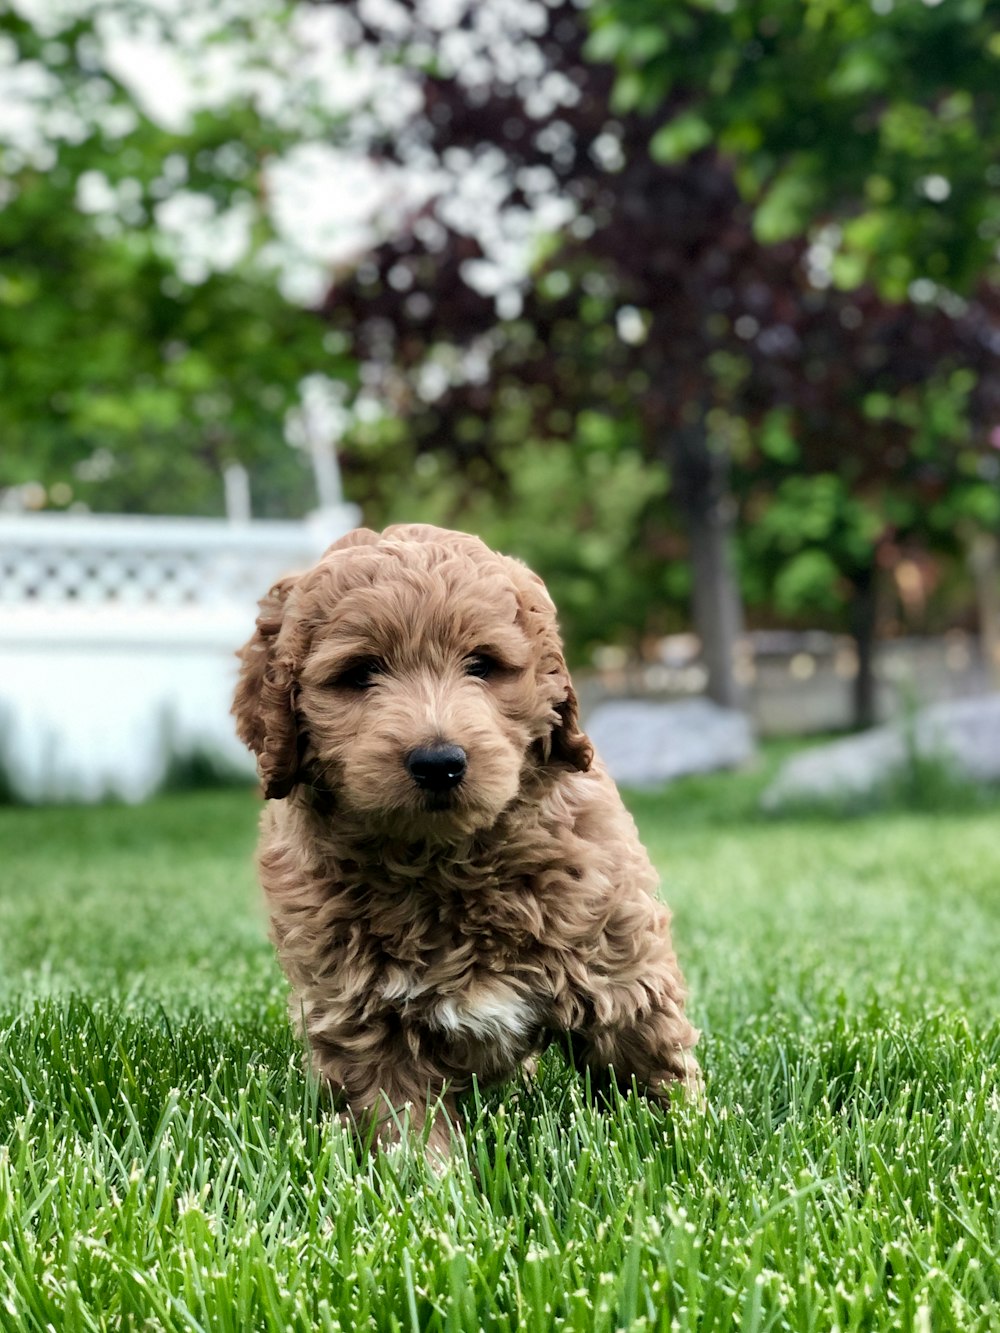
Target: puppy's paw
[[693, 1085], [529, 1069], [683, 1087]]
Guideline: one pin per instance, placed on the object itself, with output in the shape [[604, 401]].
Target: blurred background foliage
[[132, 371], [695, 304]]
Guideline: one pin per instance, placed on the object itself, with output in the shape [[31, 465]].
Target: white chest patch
[[491, 1010], [490, 1013]]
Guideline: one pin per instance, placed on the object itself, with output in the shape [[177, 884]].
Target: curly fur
[[430, 941]]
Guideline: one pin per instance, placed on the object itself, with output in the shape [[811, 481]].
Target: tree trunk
[[863, 619], [701, 482], [984, 560]]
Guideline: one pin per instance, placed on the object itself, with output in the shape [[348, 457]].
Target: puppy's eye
[[481, 665], [359, 675]]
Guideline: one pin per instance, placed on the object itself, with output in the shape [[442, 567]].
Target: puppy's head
[[415, 675]]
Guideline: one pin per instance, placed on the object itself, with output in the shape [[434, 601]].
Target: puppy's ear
[[569, 743], [264, 705], [565, 743]]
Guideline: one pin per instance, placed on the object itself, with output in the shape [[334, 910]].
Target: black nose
[[437, 767]]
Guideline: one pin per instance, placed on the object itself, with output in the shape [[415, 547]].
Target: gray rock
[[963, 734], [644, 744]]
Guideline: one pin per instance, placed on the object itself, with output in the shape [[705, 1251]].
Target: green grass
[[167, 1165]]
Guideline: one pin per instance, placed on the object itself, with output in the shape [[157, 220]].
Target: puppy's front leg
[[397, 1108], [653, 1046], [629, 1012], [384, 1089]]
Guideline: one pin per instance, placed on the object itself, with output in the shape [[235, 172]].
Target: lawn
[[167, 1165]]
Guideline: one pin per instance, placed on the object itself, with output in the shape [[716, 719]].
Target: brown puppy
[[452, 877]]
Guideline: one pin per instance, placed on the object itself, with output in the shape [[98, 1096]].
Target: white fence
[[117, 637]]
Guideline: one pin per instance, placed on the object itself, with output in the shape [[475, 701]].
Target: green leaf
[[681, 137], [808, 581], [787, 205], [861, 70]]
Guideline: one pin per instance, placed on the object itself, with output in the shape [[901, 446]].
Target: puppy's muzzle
[[437, 768]]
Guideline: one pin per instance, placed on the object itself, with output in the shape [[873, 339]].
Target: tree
[[871, 451], [658, 305], [881, 117], [874, 130], [143, 342], [616, 261]]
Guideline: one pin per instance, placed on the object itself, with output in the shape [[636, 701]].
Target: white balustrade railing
[[117, 637]]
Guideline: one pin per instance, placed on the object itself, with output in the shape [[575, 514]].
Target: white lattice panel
[[95, 561], [117, 640]]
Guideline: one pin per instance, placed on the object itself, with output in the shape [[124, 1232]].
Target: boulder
[[962, 734], [645, 743]]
